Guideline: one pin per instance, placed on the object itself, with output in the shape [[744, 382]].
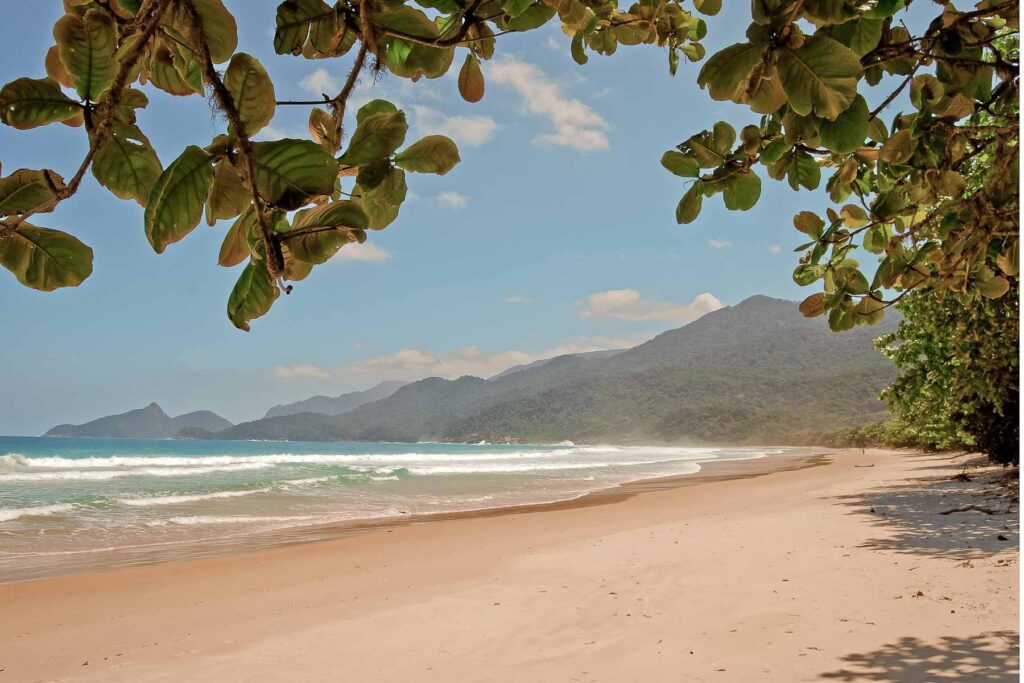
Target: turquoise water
[[67, 504]]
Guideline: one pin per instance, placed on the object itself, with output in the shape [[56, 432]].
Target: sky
[[556, 234]]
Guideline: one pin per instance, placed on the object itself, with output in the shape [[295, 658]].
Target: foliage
[[959, 383], [915, 193]]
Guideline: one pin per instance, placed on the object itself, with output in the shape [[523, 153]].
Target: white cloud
[[628, 305], [413, 364], [553, 43], [518, 300], [465, 130], [367, 251], [453, 200], [775, 249], [300, 372], [576, 125], [719, 244], [320, 82]]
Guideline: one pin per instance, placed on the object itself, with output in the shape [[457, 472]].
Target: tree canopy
[[810, 68]]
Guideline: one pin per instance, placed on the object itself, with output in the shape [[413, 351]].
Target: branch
[[275, 260]]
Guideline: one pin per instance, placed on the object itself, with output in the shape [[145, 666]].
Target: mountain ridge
[[150, 422]]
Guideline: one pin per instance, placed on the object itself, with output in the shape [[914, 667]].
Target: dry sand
[[841, 569]]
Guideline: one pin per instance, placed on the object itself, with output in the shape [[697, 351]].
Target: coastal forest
[[910, 128]]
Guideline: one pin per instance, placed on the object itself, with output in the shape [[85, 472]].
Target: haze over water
[[70, 504]]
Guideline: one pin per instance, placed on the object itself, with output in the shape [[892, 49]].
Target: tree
[[959, 383], [809, 67]]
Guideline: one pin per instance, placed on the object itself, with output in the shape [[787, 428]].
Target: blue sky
[[556, 233]]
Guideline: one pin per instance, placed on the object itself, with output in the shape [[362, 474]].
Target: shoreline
[[816, 570], [125, 557]]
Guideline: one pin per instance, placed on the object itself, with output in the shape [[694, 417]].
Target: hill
[[757, 371], [150, 422], [336, 405]]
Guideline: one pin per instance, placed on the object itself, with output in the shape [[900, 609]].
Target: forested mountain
[[751, 372], [150, 422], [336, 405]]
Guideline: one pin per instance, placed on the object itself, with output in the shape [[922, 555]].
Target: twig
[[968, 508]]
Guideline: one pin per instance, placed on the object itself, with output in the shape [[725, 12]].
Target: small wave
[[147, 501], [212, 519], [84, 475], [529, 468], [39, 511]]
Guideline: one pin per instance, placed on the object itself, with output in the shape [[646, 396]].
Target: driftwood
[[968, 508]]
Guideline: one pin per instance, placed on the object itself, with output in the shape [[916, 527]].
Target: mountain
[[150, 422], [754, 372], [537, 363], [336, 405]]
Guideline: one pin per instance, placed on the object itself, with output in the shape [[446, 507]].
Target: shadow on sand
[[910, 520], [989, 656]]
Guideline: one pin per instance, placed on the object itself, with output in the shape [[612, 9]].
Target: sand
[[831, 568]]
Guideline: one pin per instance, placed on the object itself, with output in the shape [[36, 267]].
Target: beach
[[833, 566]]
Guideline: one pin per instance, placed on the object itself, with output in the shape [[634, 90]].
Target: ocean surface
[[70, 505]]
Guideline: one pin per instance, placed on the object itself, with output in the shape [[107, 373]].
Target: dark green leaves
[[86, 47], [176, 202], [377, 137], [819, 77], [433, 154], [126, 164], [689, 206], [252, 91], [742, 190], [27, 190], [293, 23], [252, 296], [383, 202], [680, 164], [27, 103], [318, 233], [848, 131], [45, 259], [290, 172]]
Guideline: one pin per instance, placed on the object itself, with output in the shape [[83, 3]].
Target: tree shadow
[[910, 516], [991, 656]]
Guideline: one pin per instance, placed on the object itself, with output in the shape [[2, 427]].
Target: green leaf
[[377, 136], [848, 131], [579, 54], [804, 170], [680, 164], [536, 16], [814, 305], [898, 148], [471, 79], [219, 29], [860, 35], [993, 288], [841, 319], [876, 238], [228, 196], [45, 259], [708, 7], [126, 164], [727, 74], [86, 47], [809, 223], [252, 296], [853, 216], [819, 77], [26, 190], [742, 191], [375, 107], [252, 91], [176, 201], [28, 103], [290, 172], [383, 202], [318, 233], [293, 23], [432, 154], [689, 206], [514, 8], [807, 273], [235, 247]]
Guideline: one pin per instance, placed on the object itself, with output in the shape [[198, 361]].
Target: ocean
[[70, 505]]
